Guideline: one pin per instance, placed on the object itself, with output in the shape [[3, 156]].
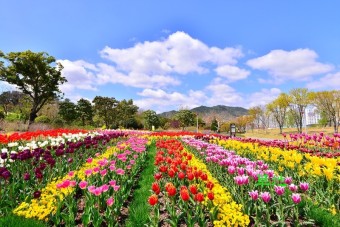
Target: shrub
[[42, 119], [58, 122], [11, 117]]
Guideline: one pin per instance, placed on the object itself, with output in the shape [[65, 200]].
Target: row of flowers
[[26, 136], [187, 191], [251, 176], [28, 170], [92, 194]]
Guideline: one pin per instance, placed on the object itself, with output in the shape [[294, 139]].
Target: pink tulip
[[254, 195], [88, 172], [97, 191], [73, 183], [82, 184], [288, 180], [132, 162], [71, 174], [120, 171], [112, 183], [112, 167], [279, 190], [105, 187], [304, 186], [96, 169], [110, 201], [97, 154], [116, 188], [241, 180], [91, 188], [231, 169], [296, 198], [103, 172], [293, 187], [89, 160], [240, 170], [265, 197]]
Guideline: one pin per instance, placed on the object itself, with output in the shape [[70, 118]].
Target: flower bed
[[245, 173], [188, 192]]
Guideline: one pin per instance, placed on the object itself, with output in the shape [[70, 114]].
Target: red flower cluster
[[4, 138]]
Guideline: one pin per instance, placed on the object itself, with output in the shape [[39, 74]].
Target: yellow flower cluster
[[229, 212], [47, 203]]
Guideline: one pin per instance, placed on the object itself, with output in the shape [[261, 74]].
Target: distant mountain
[[222, 113]]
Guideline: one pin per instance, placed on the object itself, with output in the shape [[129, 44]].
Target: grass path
[[139, 209]]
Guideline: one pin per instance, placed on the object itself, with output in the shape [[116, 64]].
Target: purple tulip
[[265, 196], [254, 195], [279, 190], [304, 186], [296, 198]]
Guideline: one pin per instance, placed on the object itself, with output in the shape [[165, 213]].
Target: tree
[[255, 113], [242, 122], [328, 103], [186, 118], [164, 122], [126, 111], [299, 99], [85, 111], [105, 109], [151, 119], [9, 99], [278, 108], [35, 74], [68, 111], [214, 125]]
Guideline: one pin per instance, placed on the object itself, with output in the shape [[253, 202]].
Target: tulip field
[[141, 178]]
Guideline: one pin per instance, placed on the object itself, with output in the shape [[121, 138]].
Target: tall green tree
[[299, 99], [214, 125], [126, 111], [278, 108], [186, 118], [105, 108], [256, 113], [328, 102], [85, 111], [68, 111], [35, 74], [151, 119], [9, 99]]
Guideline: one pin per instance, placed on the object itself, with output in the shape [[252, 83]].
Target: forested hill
[[220, 111]]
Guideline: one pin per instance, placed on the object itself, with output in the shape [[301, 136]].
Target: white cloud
[[79, 75], [109, 74], [262, 97], [179, 53], [173, 100], [330, 81], [223, 94], [283, 65], [232, 73]]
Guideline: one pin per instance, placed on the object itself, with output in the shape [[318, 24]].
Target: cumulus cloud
[[262, 97], [163, 100], [223, 94], [109, 74], [79, 75], [330, 81], [283, 65], [232, 73], [179, 53]]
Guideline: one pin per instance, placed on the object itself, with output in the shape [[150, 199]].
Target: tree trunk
[[33, 116]]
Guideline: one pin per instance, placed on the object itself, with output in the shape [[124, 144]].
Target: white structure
[[311, 115]]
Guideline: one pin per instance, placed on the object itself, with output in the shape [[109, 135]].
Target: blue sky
[[180, 54]]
